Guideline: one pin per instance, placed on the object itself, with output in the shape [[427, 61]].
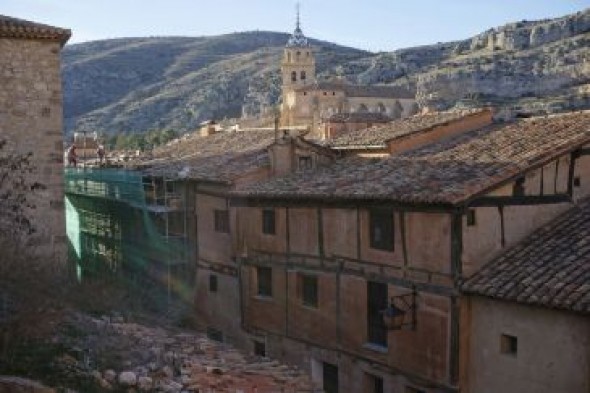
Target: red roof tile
[[550, 268], [447, 172]]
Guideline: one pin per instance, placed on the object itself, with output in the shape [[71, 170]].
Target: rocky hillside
[[137, 84], [134, 85]]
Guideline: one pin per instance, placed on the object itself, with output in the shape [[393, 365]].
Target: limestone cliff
[[536, 66]]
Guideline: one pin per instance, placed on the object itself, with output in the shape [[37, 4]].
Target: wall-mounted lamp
[[401, 312]]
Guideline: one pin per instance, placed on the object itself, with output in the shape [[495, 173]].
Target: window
[[577, 181], [330, 374], [304, 163], [264, 281], [214, 334], [325, 93], [222, 221], [381, 229], [508, 344], [376, 303], [293, 76], [518, 188], [374, 384], [268, 221], [170, 187], [333, 93], [259, 348], [309, 290], [212, 283], [471, 217], [302, 75]]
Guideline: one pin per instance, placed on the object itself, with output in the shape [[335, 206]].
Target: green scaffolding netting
[[120, 223]]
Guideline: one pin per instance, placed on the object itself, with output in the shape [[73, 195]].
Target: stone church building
[[310, 103]]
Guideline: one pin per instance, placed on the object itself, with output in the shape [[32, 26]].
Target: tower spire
[[297, 38]]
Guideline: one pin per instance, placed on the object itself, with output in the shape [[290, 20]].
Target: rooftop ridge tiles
[[11, 27]]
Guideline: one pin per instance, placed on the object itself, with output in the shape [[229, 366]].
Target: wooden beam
[[398, 281], [334, 203], [454, 344], [456, 245], [570, 175], [320, 224], [358, 233], [522, 200], [584, 152], [502, 228], [402, 229]]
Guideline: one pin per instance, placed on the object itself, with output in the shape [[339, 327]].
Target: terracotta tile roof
[[220, 157], [378, 136], [19, 28], [379, 91], [447, 172], [550, 268], [359, 117]]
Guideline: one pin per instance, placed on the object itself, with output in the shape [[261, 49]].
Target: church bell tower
[[298, 65]]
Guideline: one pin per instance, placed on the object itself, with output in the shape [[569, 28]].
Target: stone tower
[[298, 65]]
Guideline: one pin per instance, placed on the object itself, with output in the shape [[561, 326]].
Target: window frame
[[377, 333], [221, 220], [213, 283], [509, 344], [269, 221], [309, 290], [471, 218], [381, 220], [264, 281], [518, 188], [304, 163]]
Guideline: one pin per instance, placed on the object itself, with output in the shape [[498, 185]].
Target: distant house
[[208, 127], [86, 145], [342, 123], [31, 120]]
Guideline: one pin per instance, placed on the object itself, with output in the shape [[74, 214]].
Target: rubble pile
[[131, 357]]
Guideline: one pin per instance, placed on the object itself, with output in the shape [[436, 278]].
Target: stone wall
[[552, 352], [31, 121]]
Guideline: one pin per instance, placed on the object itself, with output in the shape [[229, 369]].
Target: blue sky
[[370, 24]]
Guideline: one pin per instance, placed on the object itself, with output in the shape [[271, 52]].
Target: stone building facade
[[31, 120]]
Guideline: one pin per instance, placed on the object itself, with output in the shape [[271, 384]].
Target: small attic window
[[471, 221], [577, 181], [304, 163], [508, 344], [518, 187]]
